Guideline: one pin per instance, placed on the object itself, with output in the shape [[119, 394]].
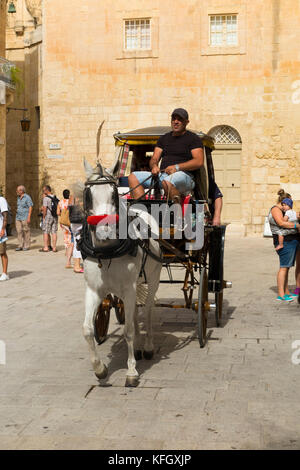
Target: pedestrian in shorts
[[50, 223]]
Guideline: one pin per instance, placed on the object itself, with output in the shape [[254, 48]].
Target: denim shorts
[[287, 254], [182, 181]]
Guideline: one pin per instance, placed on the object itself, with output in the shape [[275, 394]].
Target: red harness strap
[[105, 219]]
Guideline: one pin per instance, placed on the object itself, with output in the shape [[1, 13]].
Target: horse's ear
[[114, 169], [99, 170], [88, 169]]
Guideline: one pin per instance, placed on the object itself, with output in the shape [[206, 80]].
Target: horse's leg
[[92, 302], [129, 305], [152, 288], [137, 337]]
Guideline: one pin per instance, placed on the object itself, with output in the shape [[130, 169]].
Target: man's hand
[[2, 233], [170, 170], [155, 170], [216, 221]]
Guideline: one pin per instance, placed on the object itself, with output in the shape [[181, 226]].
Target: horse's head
[[100, 199]]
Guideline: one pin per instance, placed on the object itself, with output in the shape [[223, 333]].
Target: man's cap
[[181, 112], [288, 202]]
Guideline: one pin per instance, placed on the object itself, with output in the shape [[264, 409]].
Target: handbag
[[267, 230], [64, 218]]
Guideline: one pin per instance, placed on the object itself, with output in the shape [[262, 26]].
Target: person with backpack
[[3, 222], [50, 219]]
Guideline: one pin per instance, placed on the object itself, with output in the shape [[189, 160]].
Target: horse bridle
[[101, 180]]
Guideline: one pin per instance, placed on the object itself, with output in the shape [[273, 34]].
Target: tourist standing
[[50, 221], [3, 222], [290, 253], [65, 224], [23, 217]]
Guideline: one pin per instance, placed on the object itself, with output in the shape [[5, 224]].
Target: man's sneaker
[[19, 249], [4, 277], [297, 291], [285, 298]]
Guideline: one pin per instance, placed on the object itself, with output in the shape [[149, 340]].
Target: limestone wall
[[87, 77], [2, 106], [23, 46]]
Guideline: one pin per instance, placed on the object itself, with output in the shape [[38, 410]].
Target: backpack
[[54, 202]]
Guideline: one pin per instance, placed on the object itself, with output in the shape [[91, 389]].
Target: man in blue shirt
[[23, 216]]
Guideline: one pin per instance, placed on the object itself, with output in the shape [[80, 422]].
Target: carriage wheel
[[101, 321], [202, 307], [119, 310], [219, 306]]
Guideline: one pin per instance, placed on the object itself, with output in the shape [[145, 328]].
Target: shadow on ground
[[15, 274], [166, 339]]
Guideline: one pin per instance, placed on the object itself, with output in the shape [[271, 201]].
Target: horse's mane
[[77, 190]]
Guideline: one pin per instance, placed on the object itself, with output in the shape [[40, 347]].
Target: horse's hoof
[[102, 374], [148, 354], [132, 382], [138, 354]]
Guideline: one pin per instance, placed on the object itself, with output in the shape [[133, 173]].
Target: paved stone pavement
[[239, 392]]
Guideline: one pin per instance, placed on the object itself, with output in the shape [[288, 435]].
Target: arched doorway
[[227, 165]]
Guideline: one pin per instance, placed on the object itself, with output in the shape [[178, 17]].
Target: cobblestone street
[[239, 392]]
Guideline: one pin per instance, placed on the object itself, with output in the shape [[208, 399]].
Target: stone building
[[235, 65], [23, 48], [6, 95]]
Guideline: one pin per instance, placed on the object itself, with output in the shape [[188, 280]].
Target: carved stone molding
[[35, 9]]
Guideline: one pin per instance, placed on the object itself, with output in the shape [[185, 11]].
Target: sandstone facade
[[78, 73], [6, 95]]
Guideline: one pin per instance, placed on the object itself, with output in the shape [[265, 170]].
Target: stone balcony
[[5, 72], [7, 85]]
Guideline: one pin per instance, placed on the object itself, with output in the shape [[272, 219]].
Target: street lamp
[[25, 122]]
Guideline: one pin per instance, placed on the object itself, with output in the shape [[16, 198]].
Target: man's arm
[[29, 214], [2, 231], [44, 208], [194, 164], [218, 203], [155, 160]]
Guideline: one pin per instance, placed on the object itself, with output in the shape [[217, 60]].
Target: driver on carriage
[[180, 152]]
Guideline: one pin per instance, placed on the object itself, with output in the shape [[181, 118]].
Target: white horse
[[119, 276]]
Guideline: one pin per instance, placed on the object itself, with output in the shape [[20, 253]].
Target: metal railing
[[5, 72]]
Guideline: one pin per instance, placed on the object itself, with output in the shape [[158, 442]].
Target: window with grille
[[137, 34], [223, 30], [225, 135]]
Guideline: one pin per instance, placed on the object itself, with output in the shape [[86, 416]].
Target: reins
[[152, 186]]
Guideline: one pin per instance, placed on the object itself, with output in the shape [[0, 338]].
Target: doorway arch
[[227, 165]]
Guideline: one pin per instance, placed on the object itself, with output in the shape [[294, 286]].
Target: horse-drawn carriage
[[202, 259]]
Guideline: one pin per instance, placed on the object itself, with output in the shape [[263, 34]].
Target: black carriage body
[[134, 150]]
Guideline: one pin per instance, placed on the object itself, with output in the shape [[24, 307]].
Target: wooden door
[[227, 165]]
